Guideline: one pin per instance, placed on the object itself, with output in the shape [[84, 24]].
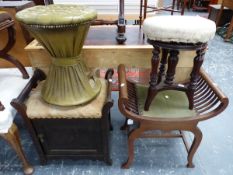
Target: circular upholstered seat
[[181, 29], [62, 30], [53, 15], [4, 16]]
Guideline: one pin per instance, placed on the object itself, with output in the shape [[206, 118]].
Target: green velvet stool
[[62, 29]]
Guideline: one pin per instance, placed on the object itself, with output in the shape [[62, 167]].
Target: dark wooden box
[[72, 138], [79, 138]]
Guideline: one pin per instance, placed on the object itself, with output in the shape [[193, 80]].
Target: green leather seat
[[62, 30], [56, 14], [167, 104]]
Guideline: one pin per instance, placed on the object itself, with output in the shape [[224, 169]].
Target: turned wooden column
[[121, 23], [172, 62], [153, 77], [197, 63], [159, 80]]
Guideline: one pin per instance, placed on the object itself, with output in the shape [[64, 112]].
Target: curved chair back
[[209, 100]]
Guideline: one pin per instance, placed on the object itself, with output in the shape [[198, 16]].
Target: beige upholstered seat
[[38, 108], [184, 29]]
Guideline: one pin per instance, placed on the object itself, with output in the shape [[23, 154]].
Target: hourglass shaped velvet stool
[[62, 29], [170, 34]]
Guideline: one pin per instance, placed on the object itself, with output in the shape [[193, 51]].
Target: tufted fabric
[[11, 84], [184, 29], [166, 104], [38, 108], [56, 14], [4, 16], [62, 30]]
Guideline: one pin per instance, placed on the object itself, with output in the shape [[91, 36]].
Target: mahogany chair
[[169, 112], [7, 23], [228, 4], [146, 8]]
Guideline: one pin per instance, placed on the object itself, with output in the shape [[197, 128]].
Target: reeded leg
[[198, 60], [173, 6], [131, 138], [163, 63], [145, 9], [153, 78], [172, 62], [196, 142], [12, 137], [121, 23], [140, 14], [183, 5], [178, 4]]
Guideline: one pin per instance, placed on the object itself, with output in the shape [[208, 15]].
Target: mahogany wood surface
[[105, 35], [101, 36], [121, 25]]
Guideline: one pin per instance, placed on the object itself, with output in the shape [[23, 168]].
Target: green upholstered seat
[[166, 104], [56, 14], [62, 30]]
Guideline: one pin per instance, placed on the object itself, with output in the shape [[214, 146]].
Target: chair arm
[[37, 76], [123, 92], [108, 77], [213, 103], [109, 102], [212, 85]]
